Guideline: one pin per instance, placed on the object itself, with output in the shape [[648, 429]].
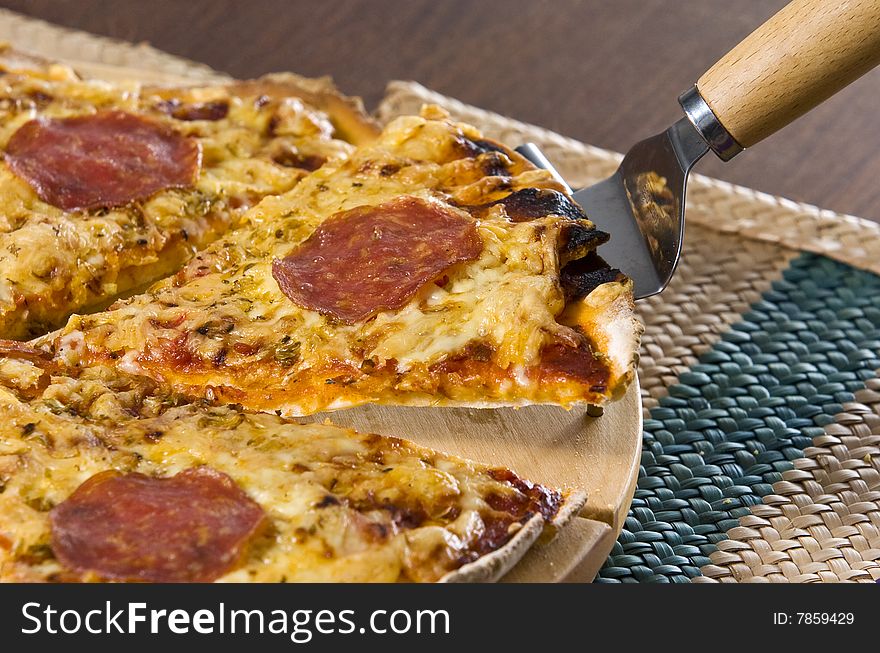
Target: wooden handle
[[799, 58]]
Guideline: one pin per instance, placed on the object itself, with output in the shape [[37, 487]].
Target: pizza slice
[[106, 479], [105, 188], [431, 267]]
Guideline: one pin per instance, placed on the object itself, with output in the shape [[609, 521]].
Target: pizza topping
[[287, 155], [511, 509], [581, 277], [473, 147], [562, 361], [216, 110], [375, 258], [25, 368], [192, 527], [579, 238], [101, 160], [528, 498], [16, 349], [531, 203]]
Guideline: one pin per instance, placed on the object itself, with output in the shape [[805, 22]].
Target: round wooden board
[[547, 445]]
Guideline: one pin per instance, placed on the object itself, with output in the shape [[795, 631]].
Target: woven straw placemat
[[761, 458], [69, 45]]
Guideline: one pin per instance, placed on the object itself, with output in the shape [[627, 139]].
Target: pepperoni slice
[[101, 160], [192, 527], [375, 258]]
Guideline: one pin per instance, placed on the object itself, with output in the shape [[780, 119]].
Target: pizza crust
[[16, 61], [491, 567], [607, 314], [348, 114]]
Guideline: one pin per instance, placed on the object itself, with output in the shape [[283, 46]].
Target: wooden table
[[604, 72]]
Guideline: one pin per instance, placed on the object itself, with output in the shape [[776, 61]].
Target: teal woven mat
[[714, 446]]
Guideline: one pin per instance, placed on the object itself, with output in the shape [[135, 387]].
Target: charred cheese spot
[[211, 110], [578, 240], [289, 156], [532, 203], [581, 277]]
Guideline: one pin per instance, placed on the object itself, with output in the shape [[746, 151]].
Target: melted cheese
[[223, 328], [55, 263], [342, 506]]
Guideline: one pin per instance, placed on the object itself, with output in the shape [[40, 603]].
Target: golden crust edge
[[347, 113], [492, 566], [607, 314], [16, 61]]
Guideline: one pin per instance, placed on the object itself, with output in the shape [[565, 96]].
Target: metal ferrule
[[708, 126]]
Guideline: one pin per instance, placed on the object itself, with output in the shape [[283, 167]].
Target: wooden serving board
[[548, 445]]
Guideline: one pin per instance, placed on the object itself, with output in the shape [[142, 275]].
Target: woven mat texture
[[761, 448]]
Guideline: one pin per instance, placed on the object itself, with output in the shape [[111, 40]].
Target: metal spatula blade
[[642, 205], [801, 56]]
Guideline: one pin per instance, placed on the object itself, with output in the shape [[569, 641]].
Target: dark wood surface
[[604, 72]]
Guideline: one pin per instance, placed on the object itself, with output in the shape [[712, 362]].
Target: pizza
[[105, 188], [430, 267], [104, 478], [270, 255]]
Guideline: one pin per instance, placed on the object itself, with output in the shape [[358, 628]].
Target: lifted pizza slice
[[431, 267], [106, 479], [105, 188]]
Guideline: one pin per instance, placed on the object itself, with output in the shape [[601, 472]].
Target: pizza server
[[797, 59]]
